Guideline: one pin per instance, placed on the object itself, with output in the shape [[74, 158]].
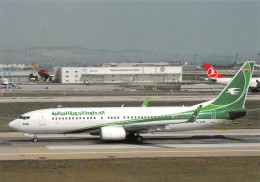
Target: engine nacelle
[[112, 133]]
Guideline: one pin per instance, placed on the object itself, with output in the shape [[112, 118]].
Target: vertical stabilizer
[[234, 94], [211, 72]]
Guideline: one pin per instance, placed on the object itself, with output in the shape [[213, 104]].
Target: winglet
[[194, 115], [145, 104]]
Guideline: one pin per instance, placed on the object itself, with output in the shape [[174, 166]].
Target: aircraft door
[[42, 120]]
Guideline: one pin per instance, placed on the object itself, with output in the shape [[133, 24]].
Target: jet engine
[[112, 133]]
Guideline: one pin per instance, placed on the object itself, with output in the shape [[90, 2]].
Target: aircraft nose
[[12, 124]]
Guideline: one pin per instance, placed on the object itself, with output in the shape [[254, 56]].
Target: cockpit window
[[24, 117]]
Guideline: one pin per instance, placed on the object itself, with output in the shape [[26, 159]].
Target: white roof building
[[137, 74]]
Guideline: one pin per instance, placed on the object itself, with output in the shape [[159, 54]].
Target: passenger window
[[72, 118], [83, 117], [90, 117], [69, 118], [94, 117], [79, 117], [127, 117], [117, 117], [62, 118], [108, 117], [52, 118], [101, 117]]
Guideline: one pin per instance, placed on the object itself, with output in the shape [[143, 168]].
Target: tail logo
[[233, 91], [211, 71]]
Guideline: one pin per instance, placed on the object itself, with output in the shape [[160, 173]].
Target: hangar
[[131, 74]]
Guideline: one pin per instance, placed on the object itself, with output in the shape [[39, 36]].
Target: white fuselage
[[67, 120], [225, 81]]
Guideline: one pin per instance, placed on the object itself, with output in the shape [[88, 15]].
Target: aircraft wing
[[142, 128]]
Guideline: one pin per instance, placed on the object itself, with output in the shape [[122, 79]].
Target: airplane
[[214, 76], [257, 65], [4, 81], [128, 123]]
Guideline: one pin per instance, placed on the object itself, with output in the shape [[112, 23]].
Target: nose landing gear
[[35, 139], [33, 136]]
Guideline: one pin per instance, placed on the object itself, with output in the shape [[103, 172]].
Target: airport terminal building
[[127, 74]]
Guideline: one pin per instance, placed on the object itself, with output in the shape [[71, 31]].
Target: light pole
[[196, 68], [143, 76], [258, 55], [155, 81]]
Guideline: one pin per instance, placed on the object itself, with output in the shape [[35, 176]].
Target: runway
[[201, 143]]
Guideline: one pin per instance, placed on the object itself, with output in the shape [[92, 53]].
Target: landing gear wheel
[[139, 139], [35, 140], [134, 138]]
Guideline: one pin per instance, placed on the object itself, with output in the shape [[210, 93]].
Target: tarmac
[[200, 143], [114, 98]]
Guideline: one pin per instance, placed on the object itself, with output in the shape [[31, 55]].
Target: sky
[[172, 27]]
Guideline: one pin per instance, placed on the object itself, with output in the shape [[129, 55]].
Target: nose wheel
[[35, 139]]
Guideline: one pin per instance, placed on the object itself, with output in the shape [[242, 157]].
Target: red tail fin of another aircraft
[[212, 73]]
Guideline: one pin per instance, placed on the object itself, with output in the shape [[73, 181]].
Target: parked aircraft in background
[[4, 81], [120, 123], [214, 76], [257, 65]]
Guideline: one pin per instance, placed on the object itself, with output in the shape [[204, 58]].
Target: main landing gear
[[134, 138]]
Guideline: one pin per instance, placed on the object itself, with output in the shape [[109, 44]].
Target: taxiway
[[113, 98], [201, 143]]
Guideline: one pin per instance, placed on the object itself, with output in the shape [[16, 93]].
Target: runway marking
[[109, 146], [127, 152]]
